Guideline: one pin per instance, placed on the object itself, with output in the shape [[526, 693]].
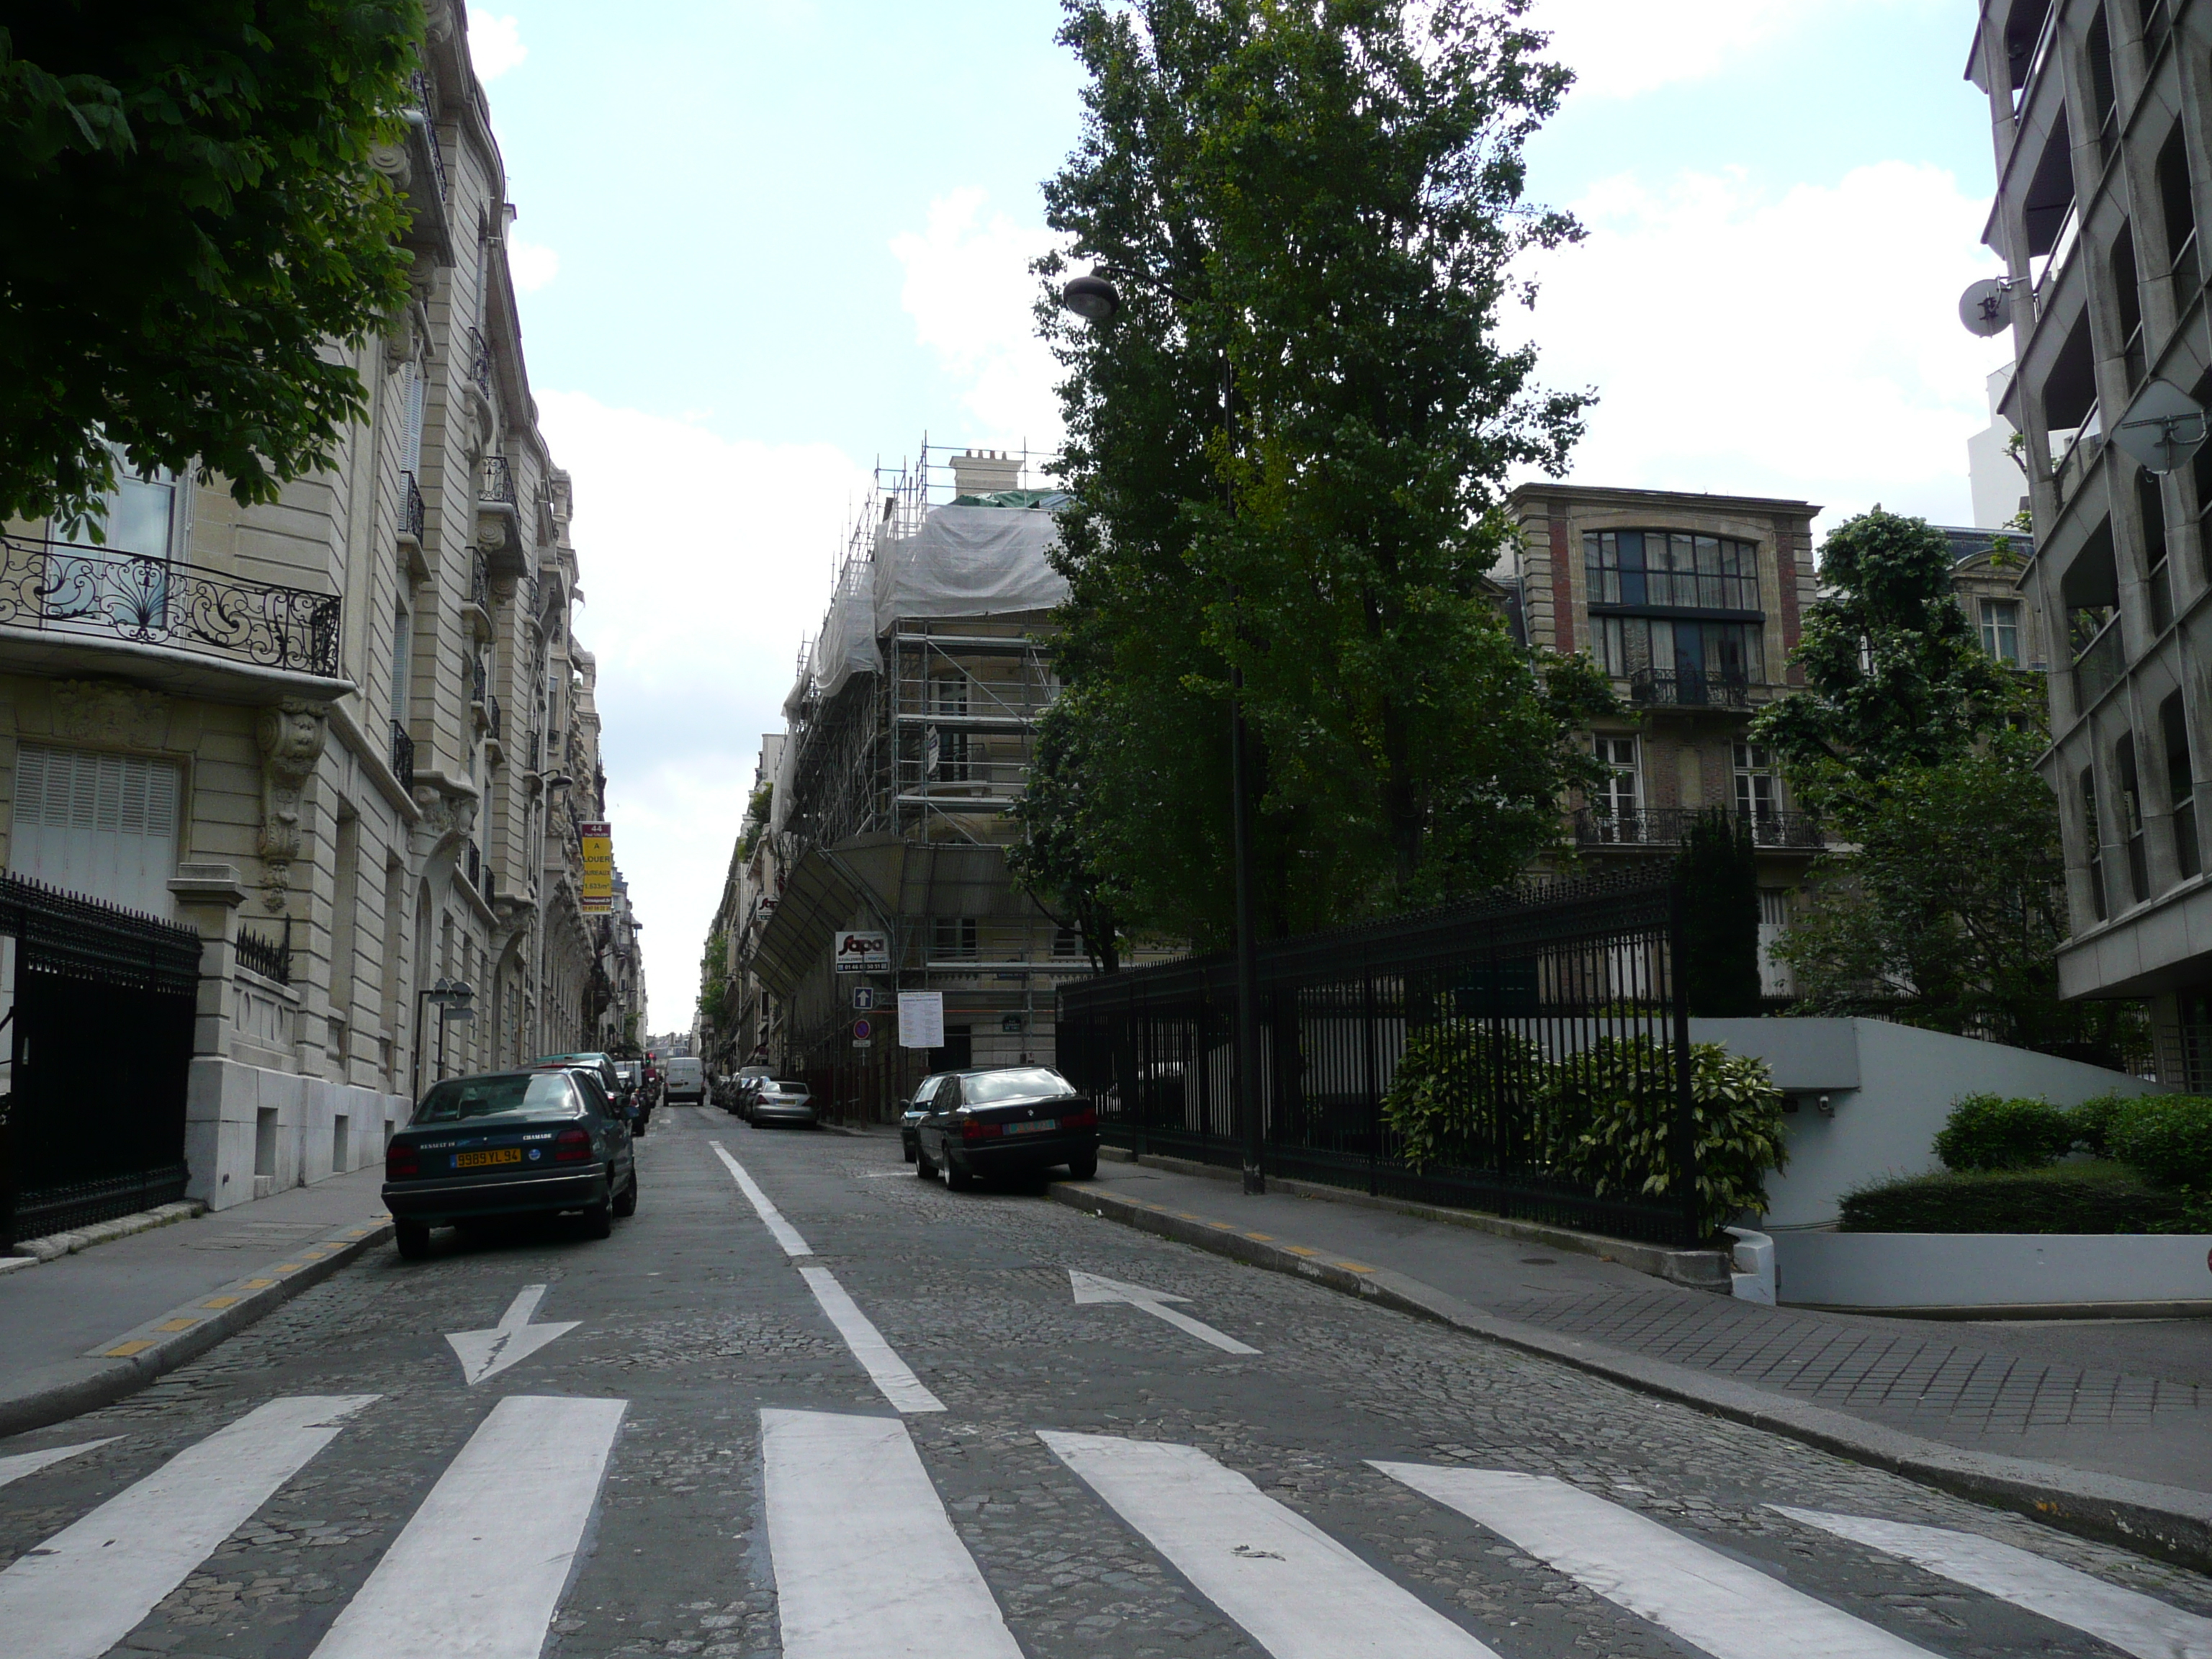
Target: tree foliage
[[191, 221], [1062, 860], [1288, 449], [1719, 875]]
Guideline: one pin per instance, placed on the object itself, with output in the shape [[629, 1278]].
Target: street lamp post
[[445, 992], [1096, 300]]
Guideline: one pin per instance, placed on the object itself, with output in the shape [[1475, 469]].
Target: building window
[[2132, 817], [1758, 783], [2177, 204], [1619, 800], [2180, 785], [2000, 629], [952, 937], [1670, 569], [1067, 941], [1722, 652], [2150, 504], [101, 825], [2093, 832]]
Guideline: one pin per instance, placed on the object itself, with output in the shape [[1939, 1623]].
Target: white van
[[683, 1078]]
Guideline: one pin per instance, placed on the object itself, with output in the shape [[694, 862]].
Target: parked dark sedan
[[917, 1107], [509, 1143], [1014, 1121]]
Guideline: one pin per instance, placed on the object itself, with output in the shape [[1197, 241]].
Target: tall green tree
[[1288, 451], [191, 220], [1062, 860]]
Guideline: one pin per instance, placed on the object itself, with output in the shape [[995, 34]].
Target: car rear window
[[1020, 1083], [514, 1094], [786, 1088]]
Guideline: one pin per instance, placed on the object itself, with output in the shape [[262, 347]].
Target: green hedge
[[2098, 1197], [2168, 1137], [1989, 1131]]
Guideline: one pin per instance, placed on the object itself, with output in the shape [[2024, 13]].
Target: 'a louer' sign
[[597, 890], [862, 953]]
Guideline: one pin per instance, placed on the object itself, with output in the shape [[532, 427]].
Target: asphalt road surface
[[805, 1403]]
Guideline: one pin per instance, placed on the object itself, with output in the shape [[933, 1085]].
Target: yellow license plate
[[478, 1160]]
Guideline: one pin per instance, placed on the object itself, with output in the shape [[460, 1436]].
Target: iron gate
[[100, 1025], [1526, 1016]]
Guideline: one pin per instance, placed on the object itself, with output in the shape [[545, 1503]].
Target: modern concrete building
[[2099, 112], [326, 732]]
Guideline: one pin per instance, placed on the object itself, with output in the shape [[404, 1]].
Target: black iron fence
[[271, 958], [100, 1008], [1499, 1055], [60, 587]]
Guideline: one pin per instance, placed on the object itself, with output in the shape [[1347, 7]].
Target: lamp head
[[1091, 298]]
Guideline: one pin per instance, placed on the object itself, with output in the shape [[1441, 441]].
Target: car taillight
[[571, 1146], [974, 1129], [1084, 1117], [400, 1163]]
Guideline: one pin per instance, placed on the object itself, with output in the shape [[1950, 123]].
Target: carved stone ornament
[[291, 736], [106, 716], [391, 160]]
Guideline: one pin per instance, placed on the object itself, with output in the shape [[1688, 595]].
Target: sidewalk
[[2105, 1424], [52, 1316]]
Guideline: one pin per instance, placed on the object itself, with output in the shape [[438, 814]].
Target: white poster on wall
[[921, 1019]]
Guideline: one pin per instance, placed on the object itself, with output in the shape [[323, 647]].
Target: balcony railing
[[1689, 690], [403, 757], [1670, 826], [2098, 669], [480, 369], [497, 483], [476, 867], [430, 124], [410, 509], [494, 727], [479, 584], [477, 681], [59, 587]]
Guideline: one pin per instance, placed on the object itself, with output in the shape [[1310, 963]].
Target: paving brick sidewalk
[[2128, 1398]]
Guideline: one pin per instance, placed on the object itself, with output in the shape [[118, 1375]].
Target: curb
[[124, 1365], [54, 1246], [2171, 1522]]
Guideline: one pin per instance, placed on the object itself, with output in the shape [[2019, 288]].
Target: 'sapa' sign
[[862, 953]]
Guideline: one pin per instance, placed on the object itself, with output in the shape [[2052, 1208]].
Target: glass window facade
[[1671, 570], [1634, 647]]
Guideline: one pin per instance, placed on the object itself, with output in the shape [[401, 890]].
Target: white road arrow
[[487, 1354], [1090, 1287]]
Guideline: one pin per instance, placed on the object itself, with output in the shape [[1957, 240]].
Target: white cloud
[[530, 265], [1803, 345], [703, 562], [970, 294], [1619, 48], [494, 43]]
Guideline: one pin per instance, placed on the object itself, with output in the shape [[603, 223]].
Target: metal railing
[[2098, 669], [271, 958], [479, 681], [429, 125], [403, 757], [61, 587], [1670, 826], [497, 483], [476, 867], [480, 365], [1689, 690], [411, 514], [479, 584], [492, 725]]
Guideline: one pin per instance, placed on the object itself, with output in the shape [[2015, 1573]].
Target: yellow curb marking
[[218, 1302], [124, 1350], [1300, 1249], [289, 1266], [1263, 1237], [177, 1324], [259, 1284], [1353, 1267]]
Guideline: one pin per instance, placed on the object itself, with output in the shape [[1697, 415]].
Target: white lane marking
[[900, 1386], [1296, 1591], [487, 1354], [786, 1234], [479, 1569], [1092, 1287], [867, 1564], [1729, 1610], [85, 1588], [23, 1463], [2128, 1619]]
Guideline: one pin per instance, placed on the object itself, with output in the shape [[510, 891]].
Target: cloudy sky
[[767, 243]]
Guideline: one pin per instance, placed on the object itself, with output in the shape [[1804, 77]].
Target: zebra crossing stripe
[[1296, 1591], [1730, 1610], [477, 1573], [23, 1463], [867, 1564], [2127, 1620], [771, 1217], [86, 1588], [900, 1385]]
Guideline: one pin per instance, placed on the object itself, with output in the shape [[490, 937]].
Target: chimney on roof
[[983, 471]]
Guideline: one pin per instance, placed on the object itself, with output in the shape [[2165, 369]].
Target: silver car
[[776, 1101]]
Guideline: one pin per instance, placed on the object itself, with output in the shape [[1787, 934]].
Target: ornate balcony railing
[[411, 509], [403, 757], [429, 123], [1670, 826], [480, 367], [476, 867], [479, 681], [497, 483], [493, 729], [58, 587], [479, 585], [1689, 690]]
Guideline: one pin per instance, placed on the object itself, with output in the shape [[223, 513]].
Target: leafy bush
[[2068, 1198], [2092, 1121], [1614, 1107], [2168, 1137], [1442, 1102], [1989, 1132]]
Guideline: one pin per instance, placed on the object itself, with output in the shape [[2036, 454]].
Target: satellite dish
[[2162, 428], [1986, 307]]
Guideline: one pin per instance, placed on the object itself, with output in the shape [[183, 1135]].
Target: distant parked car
[[775, 1101], [917, 1107], [748, 1079], [1016, 1119], [686, 1080], [506, 1143]]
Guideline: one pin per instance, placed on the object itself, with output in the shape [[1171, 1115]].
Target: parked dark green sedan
[[1016, 1119], [509, 1143]]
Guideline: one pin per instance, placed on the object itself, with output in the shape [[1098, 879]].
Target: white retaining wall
[[1991, 1270], [235, 1155]]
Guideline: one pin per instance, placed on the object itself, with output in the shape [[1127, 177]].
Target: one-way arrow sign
[[487, 1354], [1090, 1287]]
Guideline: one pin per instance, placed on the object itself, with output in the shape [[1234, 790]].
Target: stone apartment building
[[327, 732], [2100, 111]]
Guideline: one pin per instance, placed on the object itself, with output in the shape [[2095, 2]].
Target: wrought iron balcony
[[99, 592], [430, 124], [403, 757], [479, 681], [497, 483], [476, 867], [1670, 826], [1649, 688], [479, 585], [410, 509]]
